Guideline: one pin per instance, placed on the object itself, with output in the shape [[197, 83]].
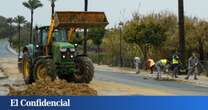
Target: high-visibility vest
[[175, 61], [164, 61]]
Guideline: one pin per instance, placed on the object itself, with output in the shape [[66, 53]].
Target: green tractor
[[52, 53]]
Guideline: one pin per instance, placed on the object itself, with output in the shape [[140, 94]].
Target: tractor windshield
[[59, 35], [44, 36]]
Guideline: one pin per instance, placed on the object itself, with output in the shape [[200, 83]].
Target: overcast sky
[[116, 10]]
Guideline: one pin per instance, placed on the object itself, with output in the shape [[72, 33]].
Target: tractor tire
[[85, 68], [68, 78], [26, 68], [43, 70]]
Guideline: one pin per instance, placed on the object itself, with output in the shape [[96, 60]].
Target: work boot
[[137, 72], [176, 76], [195, 78], [186, 78]]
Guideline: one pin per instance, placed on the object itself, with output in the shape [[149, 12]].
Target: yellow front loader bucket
[[76, 19]]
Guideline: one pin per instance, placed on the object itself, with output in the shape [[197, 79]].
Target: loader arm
[[50, 32], [71, 32]]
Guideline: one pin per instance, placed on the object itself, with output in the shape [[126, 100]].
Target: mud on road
[[12, 84], [55, 88]]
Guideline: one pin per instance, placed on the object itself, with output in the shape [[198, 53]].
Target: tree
[[4, 27], [10, 21], [19, 20], [32, 5], [78, 38], [201, 36], [145, 33], [52, 6], [97, 34]]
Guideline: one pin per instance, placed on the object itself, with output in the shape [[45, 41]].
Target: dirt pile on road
[[55, 88]]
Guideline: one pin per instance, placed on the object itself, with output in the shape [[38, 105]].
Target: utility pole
[[181, 29], [85, 29], [121, 59]]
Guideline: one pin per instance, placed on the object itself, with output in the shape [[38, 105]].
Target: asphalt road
[[4, 52], [173, 87], [177, 88]]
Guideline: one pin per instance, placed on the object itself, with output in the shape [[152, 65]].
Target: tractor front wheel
[[43, 70], [85, 69], [26, 68]]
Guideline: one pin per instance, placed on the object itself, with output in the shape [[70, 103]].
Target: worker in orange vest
[[151, 65]]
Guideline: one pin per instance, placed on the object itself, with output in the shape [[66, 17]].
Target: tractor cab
[[59, 35]]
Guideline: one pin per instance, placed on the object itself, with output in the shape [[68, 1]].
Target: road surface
[[173, 87], [106, 81]]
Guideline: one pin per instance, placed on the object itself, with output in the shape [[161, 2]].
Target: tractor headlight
[[63, 49], [63, 56], [37, 46]]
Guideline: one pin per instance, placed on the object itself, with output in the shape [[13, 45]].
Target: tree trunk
[[11, 32], [98, 54], [201, 49], [19, 38], [31, 27]]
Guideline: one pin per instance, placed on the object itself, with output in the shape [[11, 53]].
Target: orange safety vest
[[151, 62]]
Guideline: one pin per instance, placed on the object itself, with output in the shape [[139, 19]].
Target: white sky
[[116, 10]]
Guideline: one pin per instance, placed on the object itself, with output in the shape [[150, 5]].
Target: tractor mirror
[[36, 27]]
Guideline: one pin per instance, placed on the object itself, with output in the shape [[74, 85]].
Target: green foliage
[[20, 20], [78, 38], [52, 1], [32, 4], [97, 34], [149, 30], [110, 49], [4, 27]]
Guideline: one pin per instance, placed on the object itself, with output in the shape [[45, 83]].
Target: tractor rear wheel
[[43, 70], [26, 68], [85, 69]]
